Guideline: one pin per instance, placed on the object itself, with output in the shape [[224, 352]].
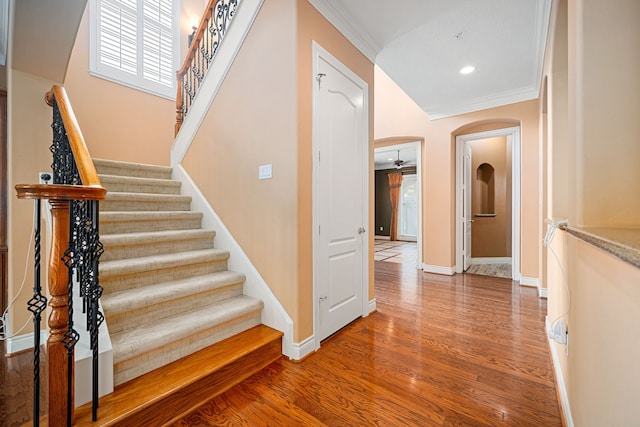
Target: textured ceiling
[[423, 44]]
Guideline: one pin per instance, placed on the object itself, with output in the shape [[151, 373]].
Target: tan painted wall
[[118, 122], [253, 122], [607, 113], [29, 137], [313, 26], [489, 234], [271, 219], [397, 114], [592, 125], [604, 379]]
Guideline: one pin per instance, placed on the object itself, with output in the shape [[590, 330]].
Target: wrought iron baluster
[[71, 337], [37, 305], [81, 257]]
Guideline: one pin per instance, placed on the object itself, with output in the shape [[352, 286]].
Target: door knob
[[361, 230]]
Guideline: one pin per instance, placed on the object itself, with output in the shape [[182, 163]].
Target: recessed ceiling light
[[467, 70]]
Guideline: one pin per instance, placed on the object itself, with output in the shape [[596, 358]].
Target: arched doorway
[[464, 217]]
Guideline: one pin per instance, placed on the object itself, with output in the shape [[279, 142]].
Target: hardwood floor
[[448, 351], [16, 387], [465, 350]]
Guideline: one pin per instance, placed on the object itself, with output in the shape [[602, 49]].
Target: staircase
[[167, 291]]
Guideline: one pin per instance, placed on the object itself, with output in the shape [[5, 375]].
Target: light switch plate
[[265, 171]]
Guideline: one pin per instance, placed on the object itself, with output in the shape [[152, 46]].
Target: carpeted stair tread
[[134, 245], [119, 183], [123, 301], [154, 236], [167, 290], [116, 201], [131, 221], [164, 261], [111, 167], [136, 341]]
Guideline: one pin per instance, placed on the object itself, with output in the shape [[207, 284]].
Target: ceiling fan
[[399, 163]]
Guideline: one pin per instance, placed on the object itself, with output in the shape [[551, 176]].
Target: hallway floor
[[405, 253], [461, 350]]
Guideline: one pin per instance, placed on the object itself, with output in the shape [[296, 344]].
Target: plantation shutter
[[157, 41], [136, 38], [118, 34]]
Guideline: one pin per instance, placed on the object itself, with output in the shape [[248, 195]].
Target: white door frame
[[319, 52], [417, 145], [461, 140]]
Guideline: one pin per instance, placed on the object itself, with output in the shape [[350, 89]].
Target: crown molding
[[346, 24]]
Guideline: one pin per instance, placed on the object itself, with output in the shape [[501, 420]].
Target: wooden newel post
[[59, 317]]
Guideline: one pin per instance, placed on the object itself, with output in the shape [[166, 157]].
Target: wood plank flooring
[[465, 350], [440, 351]]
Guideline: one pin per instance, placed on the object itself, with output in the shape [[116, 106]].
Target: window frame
[[113, 74]]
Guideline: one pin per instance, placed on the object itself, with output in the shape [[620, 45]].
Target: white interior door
[[341, 140], [466, 197]]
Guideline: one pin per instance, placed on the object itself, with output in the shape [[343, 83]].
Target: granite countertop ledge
[[623, 242]]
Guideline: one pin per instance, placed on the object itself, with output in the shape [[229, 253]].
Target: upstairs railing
[[75, 251], [204, 45]]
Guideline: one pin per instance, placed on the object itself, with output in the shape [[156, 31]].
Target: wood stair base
[[169, 393]]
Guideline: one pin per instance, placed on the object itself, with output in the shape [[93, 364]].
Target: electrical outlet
[[560, 332], [5, 324], [44, 178]]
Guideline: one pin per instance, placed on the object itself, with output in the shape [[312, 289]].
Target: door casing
[[512, 133], [319, 52]]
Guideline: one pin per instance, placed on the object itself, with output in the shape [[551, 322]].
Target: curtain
[[395, 182]]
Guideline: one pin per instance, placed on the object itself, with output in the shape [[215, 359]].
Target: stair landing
[[167, 394]]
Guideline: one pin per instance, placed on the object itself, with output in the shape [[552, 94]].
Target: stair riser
[[112, 252], [123, 187], [152, 313], [146, 362], [117, 283], [119, 227], [123, 169], [143, 205], [165, 412]]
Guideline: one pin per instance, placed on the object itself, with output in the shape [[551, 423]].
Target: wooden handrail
[[86, 169], [203, 47], [196, 39], [60, 192], [191, 54], [64, 199]]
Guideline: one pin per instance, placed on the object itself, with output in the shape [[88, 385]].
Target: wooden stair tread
[[142, 393]]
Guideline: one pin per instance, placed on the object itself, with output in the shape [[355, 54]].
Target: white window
[[135, 43]]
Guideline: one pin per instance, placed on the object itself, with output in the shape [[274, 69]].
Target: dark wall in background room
[[383, 204]]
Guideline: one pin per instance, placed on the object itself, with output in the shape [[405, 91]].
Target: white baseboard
[[24, 342], [382, 237], [372, 306], [449, 271], [542, 292], [560, 384], [490, 260], [273, 313], [303, 348], [532, 282]]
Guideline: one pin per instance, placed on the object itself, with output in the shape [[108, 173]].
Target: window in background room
[[135, 43], [408, 215]]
